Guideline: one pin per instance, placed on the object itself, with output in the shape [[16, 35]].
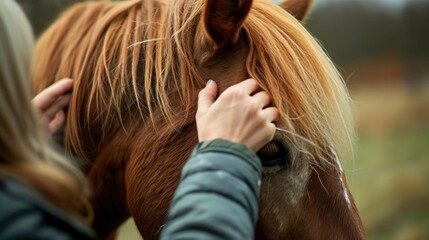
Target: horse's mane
[[128, 58]]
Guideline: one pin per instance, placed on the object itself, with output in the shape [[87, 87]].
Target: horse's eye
[[274, 154]]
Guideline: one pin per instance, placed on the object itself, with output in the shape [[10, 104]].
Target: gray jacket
[[25, 215], [218, 194]]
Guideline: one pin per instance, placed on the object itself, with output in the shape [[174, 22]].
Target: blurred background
[[382, 49]]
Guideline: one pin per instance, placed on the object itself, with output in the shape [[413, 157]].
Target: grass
[[391, 185], [390, 176]]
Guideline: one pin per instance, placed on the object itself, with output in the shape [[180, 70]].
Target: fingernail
[[208, 82]]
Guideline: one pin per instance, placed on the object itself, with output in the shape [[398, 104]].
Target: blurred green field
[[390, 176], [390, 184], [129, 231]]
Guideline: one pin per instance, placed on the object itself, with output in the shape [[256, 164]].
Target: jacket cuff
[[225, 146]]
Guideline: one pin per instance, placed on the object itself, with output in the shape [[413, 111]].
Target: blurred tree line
[[355, 30], [43, 12], [351, 31]]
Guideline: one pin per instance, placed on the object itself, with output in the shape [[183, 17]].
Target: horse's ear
[[223, 19], [298, 8]]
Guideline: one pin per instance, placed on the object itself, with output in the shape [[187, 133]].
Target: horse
[[138, 66]]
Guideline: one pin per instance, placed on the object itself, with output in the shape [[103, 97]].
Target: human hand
[[51, 103], [240, 115]]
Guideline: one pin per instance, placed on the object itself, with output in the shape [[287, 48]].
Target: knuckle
[[267, 96], [201, 94], [252, 81], [199, 114], [254, 110], [272, 127], [271, 130], [276, 113], [235, 93], [264, 94]]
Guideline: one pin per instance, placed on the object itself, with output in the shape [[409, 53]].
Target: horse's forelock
[[304, 84]]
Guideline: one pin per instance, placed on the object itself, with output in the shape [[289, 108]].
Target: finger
[[262, 99], [48, 96], [207, 96], [57, 122], [264, 136], [54, 108], [271, 131], [249, 86], [271, 114]]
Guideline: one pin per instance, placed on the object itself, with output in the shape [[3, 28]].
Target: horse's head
[[138, 66]]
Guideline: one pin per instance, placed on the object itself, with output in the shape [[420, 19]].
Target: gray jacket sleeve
[[218, 194], [26, 215]]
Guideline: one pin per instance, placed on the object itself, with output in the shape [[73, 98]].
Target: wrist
[[227, 146]]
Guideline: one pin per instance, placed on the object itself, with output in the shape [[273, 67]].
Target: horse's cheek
[[281, 194]]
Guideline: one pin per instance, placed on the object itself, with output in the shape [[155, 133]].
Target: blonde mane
[[128, 59], [303, 82]]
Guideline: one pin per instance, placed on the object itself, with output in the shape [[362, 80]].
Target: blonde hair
[[129, 57], [26, 153]]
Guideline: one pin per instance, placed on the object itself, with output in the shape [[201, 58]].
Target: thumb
[[207, 96]]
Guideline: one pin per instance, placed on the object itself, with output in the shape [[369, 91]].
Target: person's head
[[26, 153]]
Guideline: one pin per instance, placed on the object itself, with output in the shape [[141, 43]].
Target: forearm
[[217, 197]]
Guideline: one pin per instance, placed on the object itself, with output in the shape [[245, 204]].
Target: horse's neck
[[107, 176]]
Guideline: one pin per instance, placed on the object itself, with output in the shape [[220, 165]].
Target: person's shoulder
[[10, 207], [24, 213]]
